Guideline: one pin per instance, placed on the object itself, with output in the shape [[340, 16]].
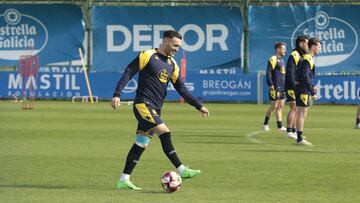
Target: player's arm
[[184, 92], [269, 70], [130, 71], [290, 71], [306, 75]]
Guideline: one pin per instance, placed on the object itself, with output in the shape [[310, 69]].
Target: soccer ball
[[171, 181]]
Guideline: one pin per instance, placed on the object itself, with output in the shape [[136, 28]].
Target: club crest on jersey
[[282, 70], [163, 76]]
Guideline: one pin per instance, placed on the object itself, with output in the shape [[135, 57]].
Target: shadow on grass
[[34, 186]]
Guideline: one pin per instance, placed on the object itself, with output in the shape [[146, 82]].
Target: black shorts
[[276, 95], [302, 98], [148, 118], [290, 95]]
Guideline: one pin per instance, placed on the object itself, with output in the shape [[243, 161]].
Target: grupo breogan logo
[[339, 39], [20, 34]]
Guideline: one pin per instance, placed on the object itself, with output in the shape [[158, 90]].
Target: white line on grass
[[254, 138]]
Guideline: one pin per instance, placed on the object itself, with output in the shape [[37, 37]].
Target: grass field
[[63, 152]]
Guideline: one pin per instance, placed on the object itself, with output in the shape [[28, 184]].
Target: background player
[[293, 60], [304, 89], [275, 75], [156, 68]]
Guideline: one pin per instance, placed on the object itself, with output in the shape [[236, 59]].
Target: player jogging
[[292, 62], [156, 68], [304, 87], [275, 75]]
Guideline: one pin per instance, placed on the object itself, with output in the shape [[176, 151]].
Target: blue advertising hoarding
[[53, 32], [331, 89], [66, 82], [338, 33], [211, 34]]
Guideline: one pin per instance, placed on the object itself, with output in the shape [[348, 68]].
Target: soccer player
[[156, 68], [304, 87], [275, 75], [293, 60]]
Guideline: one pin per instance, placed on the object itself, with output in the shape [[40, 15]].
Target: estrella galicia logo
[[339, 39], [20, 34]]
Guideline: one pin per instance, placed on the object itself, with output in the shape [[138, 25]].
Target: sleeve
[[130, 71], [269, 74], [290, 72], [306, 74], [182, 90]]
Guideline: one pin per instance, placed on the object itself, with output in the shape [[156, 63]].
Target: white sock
[[180, 169], [124, 177]]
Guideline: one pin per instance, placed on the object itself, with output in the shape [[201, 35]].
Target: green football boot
[[189, 173], [126, 185]]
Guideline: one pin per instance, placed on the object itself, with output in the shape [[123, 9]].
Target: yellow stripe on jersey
[[296, 56], [144, 112], [273, 61], [175, 74], [309, 58], [144, 58]]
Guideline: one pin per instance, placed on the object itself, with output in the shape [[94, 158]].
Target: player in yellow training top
[[304, 88], [275, 78], [156, 69]]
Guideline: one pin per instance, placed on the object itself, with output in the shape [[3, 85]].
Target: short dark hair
[[299, 39], [279, 44], [171, 34], [313, 41]]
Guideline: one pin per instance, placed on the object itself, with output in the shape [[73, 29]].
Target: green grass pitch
[[64, 152]]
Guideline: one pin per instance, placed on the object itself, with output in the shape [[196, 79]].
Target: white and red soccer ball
[[171, 181]]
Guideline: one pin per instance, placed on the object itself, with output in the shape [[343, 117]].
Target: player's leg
[[141, 142], [291, 120], [302, 101], [357, 126], [146, 121], [165, 137], [279, 109], [272, 107]]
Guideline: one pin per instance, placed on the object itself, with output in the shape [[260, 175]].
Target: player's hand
[[272, 87], [115, 102], [314, 97], [204, 112]]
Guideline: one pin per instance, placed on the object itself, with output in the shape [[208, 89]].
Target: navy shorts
[[147, 117], [290, 95], [276, 95], [302, 98]]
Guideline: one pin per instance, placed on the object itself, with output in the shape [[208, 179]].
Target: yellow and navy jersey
[[155, 71], [275, 73], [305, 74], [292, 62]]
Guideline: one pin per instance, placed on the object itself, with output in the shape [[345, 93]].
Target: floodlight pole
[[246, 35], [86, 8]]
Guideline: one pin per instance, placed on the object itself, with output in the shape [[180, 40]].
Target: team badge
[[163, 76]]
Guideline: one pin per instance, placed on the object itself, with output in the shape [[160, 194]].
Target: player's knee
[[161, 129], [142, 140]]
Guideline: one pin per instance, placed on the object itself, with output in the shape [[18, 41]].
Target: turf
[[63, 152]]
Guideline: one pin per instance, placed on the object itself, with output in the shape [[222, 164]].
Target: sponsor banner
[[211, 34], [53, 32], [339, 34], [332, 89], [66, 82]]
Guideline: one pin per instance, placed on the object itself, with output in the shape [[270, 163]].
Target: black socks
[[132, 158], [168, 149]]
